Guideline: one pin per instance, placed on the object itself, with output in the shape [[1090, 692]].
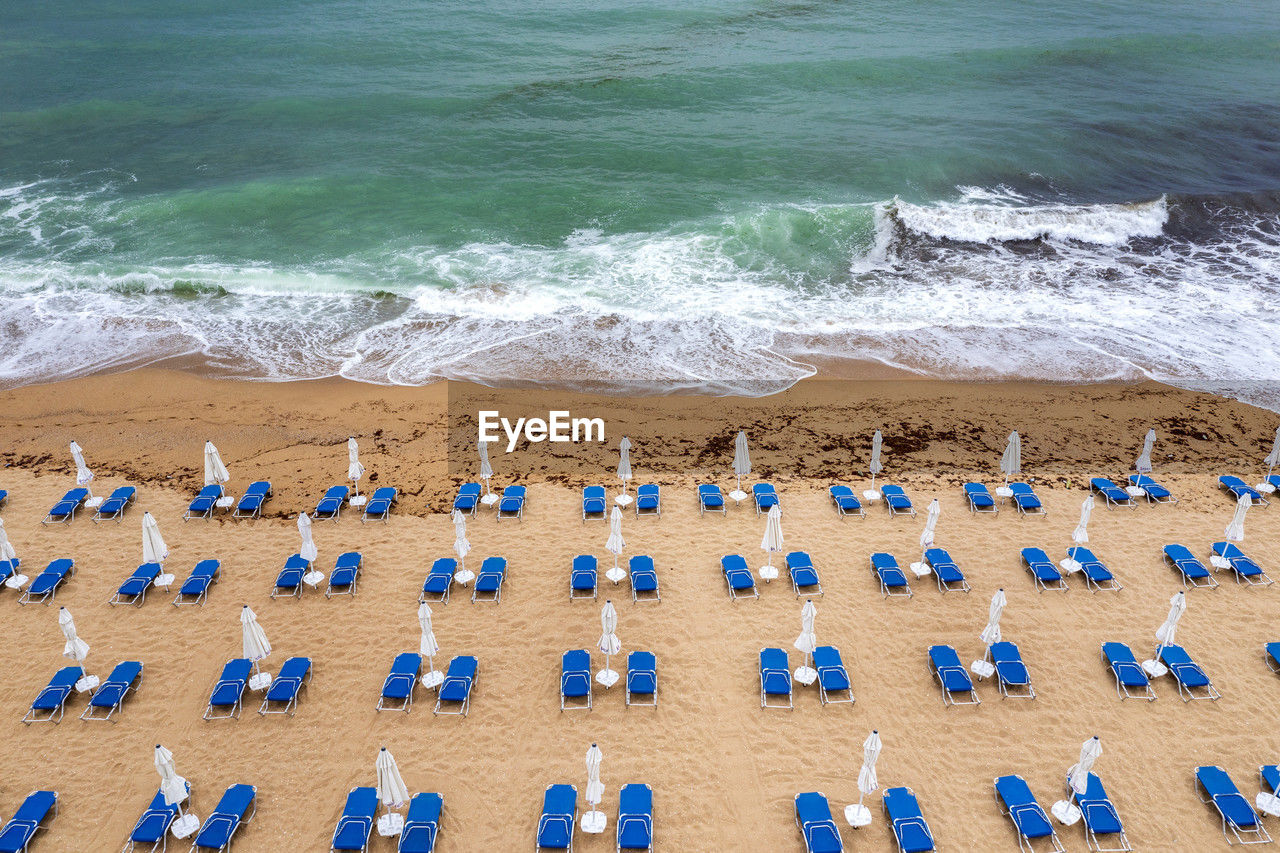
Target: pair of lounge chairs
[[113, 507], [1239, 488], [1115, 496], [195, 589], [846, 502], [834, 685], [1214, 786], [583, 578], [488, 584], [648, 501], [64, 510], [822, 835], [558, 821], [417, 835], [737, 577], [30, 818], [1012, 676], [1047, 576], [227, 697], [44, 588], [108, 698], [1132, 681], [342, 580], [1194, 574], [576, 682]]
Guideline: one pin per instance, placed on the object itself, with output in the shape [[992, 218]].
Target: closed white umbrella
[[771, 543], [6, 548], [153, 548], [614, 545], [354, 469], [1235, 530], [308, 552], [175, 792], [594, 821], [255, 645], [1143, 463], [876, 466], [462, 548], [807, 642], [486, 471], [429, 647], [1273, 458], [1080, 536], [741, 464], [1011, 461], [15, 579], [392, 792], [991, 633], [83, 475], [75, 648], [609, 643], [926, 537], [1078, 781], [859, 815], [214, 471], [1165, 633], [624, 470]]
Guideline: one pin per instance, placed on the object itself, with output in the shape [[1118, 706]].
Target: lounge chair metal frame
[[290, 704], [1257, 835], [1270, 660], [90, 711], [1024, 843], [1206, 582], [1122, 690]]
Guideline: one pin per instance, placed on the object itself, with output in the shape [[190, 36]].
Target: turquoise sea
[[706, 193]]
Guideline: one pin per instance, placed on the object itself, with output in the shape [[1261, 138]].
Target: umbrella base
[[920, 569], [1136, 491], [261, 681], [1066, 813], [857, 815], [94, 502], [464, 576], [1070, 566], [164, 581], [433, 679], [84, 685], [594, 823], [1004, 492], [1268, 488], [225, 502], [738, 495], [607, 678], [184, 826], [16, 582], [1219, 562], [489, 499], [1154, 668], [982, 668], [623, 500], [313, 579], [616, 574], [871, 495], [806, 675], [1268, 804], [390, 824], [358, 500], [768, 573]]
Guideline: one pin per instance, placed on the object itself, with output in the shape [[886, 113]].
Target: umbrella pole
[[486, 486]]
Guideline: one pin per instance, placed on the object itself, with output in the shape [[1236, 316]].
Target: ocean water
[[706, 194]]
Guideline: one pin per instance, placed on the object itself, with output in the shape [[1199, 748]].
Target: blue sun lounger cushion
[[4, 496], [1029, 819], [346, 571], [330, 506], [765, 497], [813, 816], [1096, 575], [421, 824], [846, 502], [642, 679], [559, 815], [511, 504], [952, 677], [1269, 778], [945, 570], [593, 502], [1238, 488], [738, 577], [1025, 499], [289, 581], [803, 575], [455, 690], [897, 501], [439, 580], [1192, 570], [397, 688], [111, 693], [284, 689], [833, 678], [65, 509], [355, 825], [1042, 569], [1100, 816], [1153, 491], [1214, 786], [115, 504], [45, 587], [892, 580], [220, 827], [1246, 570], [635, 817], [50, 701], [204, 503], [468, 498], [575, 680], [195, 589], [1011, 673], [27, 820], [1111, 493], [1191, 679], [979, 498], [648, 500], [488, 585], [380, 504], [250, 503], [710, 499], [910, 829], [228, 692], [1131, 680], [153, 823], [775, 679], [644, 579], [9, 568], [582, 577]]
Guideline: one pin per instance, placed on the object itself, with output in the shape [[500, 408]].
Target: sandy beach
[[723, 771]]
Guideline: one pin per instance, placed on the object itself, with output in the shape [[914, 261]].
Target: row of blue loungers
[[418, 835]]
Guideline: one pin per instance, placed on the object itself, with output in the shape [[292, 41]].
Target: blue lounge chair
[[846, 502], [1192, 570], [1191, 679], [220, 828], [979, 498], [45, 587], [204, 503], [642, 679], [65, 509], [282, 695], [710, 499], [134, 589], [644, 579], [803, 575], [833, 678], [1213, 785], [575, 680], [738, 577], [635, 817], [488, 585], [910, 829], [813, 816], [108, 699], [559, 816], [775, 679], [1103, 829], [1012, 675], [355, 825], [897, 501], [593, 503], [892, 580], [227, 695], [468, 498], [582, 577], [250, 503], [1042, 569], [1111, 493], [952, 677], [51, 701], [30, 817], [1131, 679], [346, 571], [4, 497], [195, 589], [330, 506], [765, 497], [946, 571], [648, 500], [1096, 575], [153, 825], [380, 503], [1151, 490], [511, 505], [1246, 570], [1025, 499], [115, 504], [1269, 778], [1238, 487], [421, 824], [8, 568], [439, 580], [398, 687], [289, 581], [455, 691], [1029, 819]]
